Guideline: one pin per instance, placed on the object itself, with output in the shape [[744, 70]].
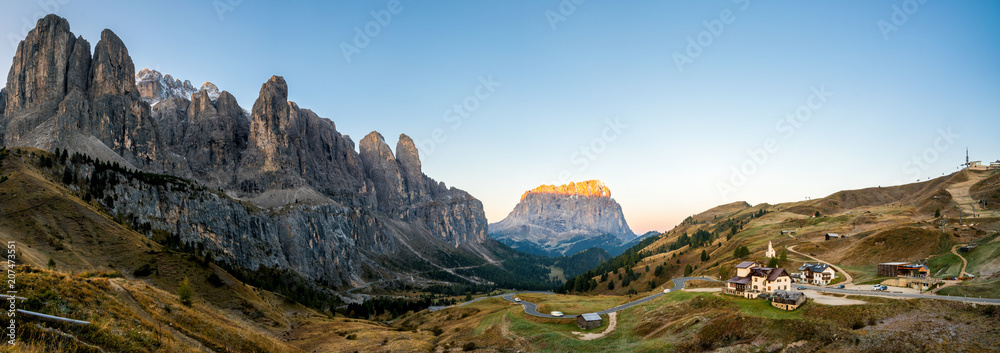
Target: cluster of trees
[[519, 273], [3, 155], [741, 252], [582, 261], [287, 283], [626, 260], [393, 306], [698, 239]]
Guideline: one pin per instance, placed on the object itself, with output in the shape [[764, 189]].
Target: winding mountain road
[[904, 295], [532, 308]]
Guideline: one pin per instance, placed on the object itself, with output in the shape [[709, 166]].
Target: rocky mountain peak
[[564, 219], [589, 188], [155, 87], [112, 71], [269, 120], [38, 75], [210, 89], [406, 154]]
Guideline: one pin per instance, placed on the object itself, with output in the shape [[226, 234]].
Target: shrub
[[215, 280], [143, 271], [185, 292], [470, 346]]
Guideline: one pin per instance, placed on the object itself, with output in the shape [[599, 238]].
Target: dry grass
[[573, 304], [900, 244]]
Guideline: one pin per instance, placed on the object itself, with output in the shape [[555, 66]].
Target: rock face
[[118, 116], [290, 147], [320, 208], [405, 193], [61, 96], [37, 81], [565, 219], [155, 87]]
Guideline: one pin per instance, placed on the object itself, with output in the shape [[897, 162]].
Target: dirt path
[[139, 310], [965, 263], [612, 323], [960, 194], [850, 279]]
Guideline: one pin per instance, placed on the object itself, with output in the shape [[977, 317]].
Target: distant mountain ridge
[[562, 220]]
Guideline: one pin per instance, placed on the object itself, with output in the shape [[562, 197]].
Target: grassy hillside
[[80, 263], [691, 322], [897, 244], [882, 223]]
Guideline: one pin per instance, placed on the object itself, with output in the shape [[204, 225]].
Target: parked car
[[556, 313], [840, 286], [800, 288], [879, 287]]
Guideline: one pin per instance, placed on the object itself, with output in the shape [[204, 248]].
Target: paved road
[[906, 295], [532, 308]]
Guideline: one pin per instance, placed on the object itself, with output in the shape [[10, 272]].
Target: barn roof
[[591, 317]]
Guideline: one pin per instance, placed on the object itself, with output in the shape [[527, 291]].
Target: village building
[[787, 300], [895, 269], [833, 236], [588, 321], [817, 274], [770, 251], [752, 279]]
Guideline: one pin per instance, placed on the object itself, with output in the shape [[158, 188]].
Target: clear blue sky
[[679, 133]]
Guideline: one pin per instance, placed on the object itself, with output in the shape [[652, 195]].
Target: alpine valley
[[144, 213]]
